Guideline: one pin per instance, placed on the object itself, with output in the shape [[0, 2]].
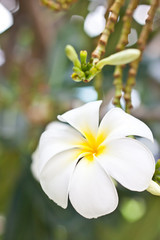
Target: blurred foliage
[[35, 86]]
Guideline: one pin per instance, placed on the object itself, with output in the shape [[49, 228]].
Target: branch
[[141, 45], [123, 41], [109, 28], [58, 5]]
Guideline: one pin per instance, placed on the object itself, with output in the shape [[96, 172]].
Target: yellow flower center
[[93, 146]]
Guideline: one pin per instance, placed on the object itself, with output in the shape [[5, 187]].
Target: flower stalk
[[98, 81]]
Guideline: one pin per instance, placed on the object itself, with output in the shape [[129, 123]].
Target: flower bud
[[79, 72], [75, 77], [83, 56], [120, 58], [72, 55], [154, 188]]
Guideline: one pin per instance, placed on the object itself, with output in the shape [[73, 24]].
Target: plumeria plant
[[79, 120], [79, 158]]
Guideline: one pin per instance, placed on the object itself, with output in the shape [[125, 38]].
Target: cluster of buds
[[86, 71], [58, 5]]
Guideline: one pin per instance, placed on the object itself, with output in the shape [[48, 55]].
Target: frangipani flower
[[79, 159]]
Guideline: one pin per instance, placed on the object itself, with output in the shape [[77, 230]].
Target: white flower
[[79, 159]]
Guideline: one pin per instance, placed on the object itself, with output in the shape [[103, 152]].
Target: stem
[[98, 86], [141, 46], [148, 26], [127, 20], [131, 81], [109, 28], [123, 41]]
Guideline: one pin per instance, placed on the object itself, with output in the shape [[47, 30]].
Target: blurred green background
[[35, 86]]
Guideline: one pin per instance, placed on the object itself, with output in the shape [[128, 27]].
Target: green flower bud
[[93, 71], [83, 56], [79, 72], [120, 58], [75, 77], [154, 188], [72, 55]]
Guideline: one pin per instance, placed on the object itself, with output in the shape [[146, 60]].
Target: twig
[[141, 45], [127, 20], [123, 41], [58, 5], [118, 85], [109, 28], [101, 46]]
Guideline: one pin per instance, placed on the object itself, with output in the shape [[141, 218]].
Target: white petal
[[57, 138], [117, 124], [92, 192], [52, 126], [85, 118], [56, 174], [6, 20], [129, 162]]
